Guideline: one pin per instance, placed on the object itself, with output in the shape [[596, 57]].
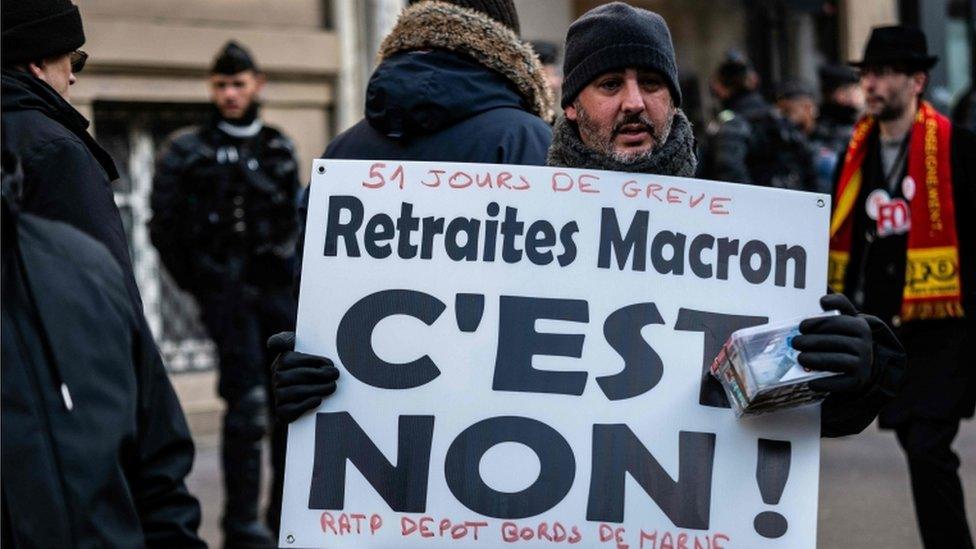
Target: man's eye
[[651, 84], [610, 84]]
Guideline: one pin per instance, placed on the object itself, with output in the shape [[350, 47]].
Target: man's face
[[801, 111], [56, 71], [624, 114], [234, 94], [888, 93]]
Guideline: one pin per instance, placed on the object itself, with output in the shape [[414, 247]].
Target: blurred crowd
[[95, 445]]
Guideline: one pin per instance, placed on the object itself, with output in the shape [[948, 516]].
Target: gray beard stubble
[[590, 131]]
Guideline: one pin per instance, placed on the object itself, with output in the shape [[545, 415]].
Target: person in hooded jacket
[[67, 178], [474, 94], [455, 84]]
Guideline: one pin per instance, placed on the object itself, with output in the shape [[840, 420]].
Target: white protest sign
[[523, 354]]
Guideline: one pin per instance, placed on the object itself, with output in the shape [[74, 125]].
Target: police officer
[[224, 222], [749, 141]]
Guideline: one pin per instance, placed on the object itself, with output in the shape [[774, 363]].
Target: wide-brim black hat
[[897, 44]]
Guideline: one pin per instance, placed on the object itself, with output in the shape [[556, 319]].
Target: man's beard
[[891, 109], [595, 138]]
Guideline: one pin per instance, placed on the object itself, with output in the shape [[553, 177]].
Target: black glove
[[837, 344], [299, 380]]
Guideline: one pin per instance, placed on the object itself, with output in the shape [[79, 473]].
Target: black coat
[[751, 142], [440, 106], [67, 177], [940, 381], [224, 209], [108, 470]]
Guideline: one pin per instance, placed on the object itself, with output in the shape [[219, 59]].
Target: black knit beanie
[[616, 36], [502, 11], [232, 59], [37, 29]]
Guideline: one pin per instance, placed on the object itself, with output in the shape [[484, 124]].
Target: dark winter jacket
[[440, 105], [95, 447], [474, 94], [67, 177], [751, 143], [941, 380], [224, 207]]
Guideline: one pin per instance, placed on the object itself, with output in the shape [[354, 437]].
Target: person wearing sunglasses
[[135, 430]]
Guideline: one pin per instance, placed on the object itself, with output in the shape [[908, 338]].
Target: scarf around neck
[[932, 283], [676, 157]]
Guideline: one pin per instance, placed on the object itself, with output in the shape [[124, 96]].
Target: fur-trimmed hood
[[440, 25]]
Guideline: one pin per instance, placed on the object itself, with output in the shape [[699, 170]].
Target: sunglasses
[[78, 59]]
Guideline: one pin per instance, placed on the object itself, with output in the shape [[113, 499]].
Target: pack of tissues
[[758, 368]]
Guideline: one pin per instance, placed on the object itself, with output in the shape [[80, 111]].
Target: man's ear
[[570, 112], [36, 68], [920, 81], [261, 79]]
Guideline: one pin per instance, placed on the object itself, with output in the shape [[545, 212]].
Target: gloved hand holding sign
[[300, 381], [840, 344]]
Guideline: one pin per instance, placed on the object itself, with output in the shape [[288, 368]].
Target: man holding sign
[[439, 443], [622, 114]]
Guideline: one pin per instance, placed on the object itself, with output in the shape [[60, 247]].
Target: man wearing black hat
[[224, 223], [903, 247], [140, 496], [750, 141], [621, 102]]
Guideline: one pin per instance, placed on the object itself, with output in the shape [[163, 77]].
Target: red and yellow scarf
[[932, 281]]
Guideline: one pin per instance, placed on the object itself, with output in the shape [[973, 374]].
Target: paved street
[[864, 493]]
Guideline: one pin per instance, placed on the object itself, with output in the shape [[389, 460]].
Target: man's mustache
[[641, 120]]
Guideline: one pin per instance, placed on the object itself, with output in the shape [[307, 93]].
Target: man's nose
[[72, 79], [633, 101]]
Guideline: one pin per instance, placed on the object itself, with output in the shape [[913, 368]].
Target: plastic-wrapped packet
[[757, 367]]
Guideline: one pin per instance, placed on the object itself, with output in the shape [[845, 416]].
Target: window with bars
[[133, 134]]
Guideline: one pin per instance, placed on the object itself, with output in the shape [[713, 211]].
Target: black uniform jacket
[[224, 209], [940, 381], [95, 447]]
